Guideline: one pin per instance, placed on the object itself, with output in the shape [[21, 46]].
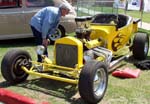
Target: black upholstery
[[104, 18], [119, 19], [122, 20]]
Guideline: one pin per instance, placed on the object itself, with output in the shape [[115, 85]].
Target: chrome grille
[[66, 55]]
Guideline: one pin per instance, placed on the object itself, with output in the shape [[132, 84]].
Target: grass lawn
[[119, 91], [134, 13]]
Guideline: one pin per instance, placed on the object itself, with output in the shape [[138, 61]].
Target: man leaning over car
[[45, 22]]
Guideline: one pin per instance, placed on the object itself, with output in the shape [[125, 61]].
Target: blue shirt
[[46, 20]]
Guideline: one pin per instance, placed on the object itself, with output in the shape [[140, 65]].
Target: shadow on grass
[[148, 58], [17, 43], [128, 62], [52, 88], [132, 60], [4, 84]]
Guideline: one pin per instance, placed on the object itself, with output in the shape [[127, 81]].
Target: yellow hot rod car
[[83, 59]]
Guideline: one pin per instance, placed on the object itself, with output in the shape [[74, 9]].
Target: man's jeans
[[38, 41]]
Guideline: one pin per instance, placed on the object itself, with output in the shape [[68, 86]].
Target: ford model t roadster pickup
[[84, 59]]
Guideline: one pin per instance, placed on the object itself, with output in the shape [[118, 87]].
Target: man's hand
[[45, 42]]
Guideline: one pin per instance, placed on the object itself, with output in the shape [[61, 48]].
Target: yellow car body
[[84, 59], [114, 36]]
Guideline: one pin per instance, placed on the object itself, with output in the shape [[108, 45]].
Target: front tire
[[93, 81], [140, 46], [11, 66]]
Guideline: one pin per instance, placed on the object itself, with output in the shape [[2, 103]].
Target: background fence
[[93, 7]]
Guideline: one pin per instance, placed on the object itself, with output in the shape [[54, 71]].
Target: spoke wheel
[[11, 66], [60, 32]]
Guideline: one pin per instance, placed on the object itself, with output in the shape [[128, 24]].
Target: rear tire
[[11, 66], [140, 46], [60, 32], [93, 81]]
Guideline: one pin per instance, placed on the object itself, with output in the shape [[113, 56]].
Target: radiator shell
[[68, 52]]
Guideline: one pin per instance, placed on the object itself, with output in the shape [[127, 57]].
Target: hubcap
[[55, 36], [18, 72], [146, 47], [99, 82]]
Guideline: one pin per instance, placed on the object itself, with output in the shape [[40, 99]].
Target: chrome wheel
[[55, 36], [99, 83], [93, 81], [146, 47]]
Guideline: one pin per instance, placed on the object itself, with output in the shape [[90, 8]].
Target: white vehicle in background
[[16, 14]]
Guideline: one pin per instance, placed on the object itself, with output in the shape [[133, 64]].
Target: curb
[[10, 97]]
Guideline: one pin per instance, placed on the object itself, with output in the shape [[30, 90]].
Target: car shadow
[[132, 60], [17, 42], [50, 87], [4, 84]]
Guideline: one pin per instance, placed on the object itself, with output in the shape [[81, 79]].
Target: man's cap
[[65, 6]]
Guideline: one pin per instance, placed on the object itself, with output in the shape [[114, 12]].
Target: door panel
[[11, 18]]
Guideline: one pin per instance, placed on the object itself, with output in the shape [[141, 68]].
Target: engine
[[75, 51], [83, 31], [92, 48]]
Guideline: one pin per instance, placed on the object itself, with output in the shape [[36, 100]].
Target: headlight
[[40, 50]]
